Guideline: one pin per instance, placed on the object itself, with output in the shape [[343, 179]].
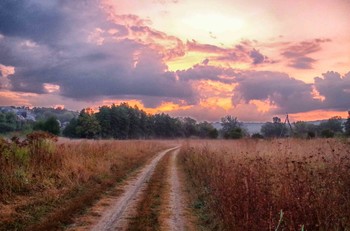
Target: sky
[[203, 59]]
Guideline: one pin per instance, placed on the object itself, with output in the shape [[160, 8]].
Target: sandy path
[[115, 218], [113, 212], [177, 220]]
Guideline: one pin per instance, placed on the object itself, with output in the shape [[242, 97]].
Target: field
[[247, 184], [43, 179], [284, 184]]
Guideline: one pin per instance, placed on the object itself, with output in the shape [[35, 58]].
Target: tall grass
[[271, 185], [39, 171]]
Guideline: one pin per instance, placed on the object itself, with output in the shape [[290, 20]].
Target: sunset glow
[[204, 59]]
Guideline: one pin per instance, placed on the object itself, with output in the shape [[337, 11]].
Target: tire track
[[115, 218], [177, 219]]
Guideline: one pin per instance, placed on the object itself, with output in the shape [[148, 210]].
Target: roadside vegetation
[[288, 184], [44, 181]]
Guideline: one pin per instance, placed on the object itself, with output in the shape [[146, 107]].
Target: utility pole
[[286, 120]]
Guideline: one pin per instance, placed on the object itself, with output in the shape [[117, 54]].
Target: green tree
[[331, 127], [104, 119], [347, 127], [8, 122], [303, 129], [71, 129], [231, 128], [166, 127], [274, 129], [120, 123], [206, 130], [50, 125], [189, 126], [87, 125]]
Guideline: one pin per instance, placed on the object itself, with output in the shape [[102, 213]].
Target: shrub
[[257, 136], [327, 133]]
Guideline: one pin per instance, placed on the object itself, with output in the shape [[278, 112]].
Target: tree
[[70, 129], [274, 129], [304, 130], [104, 119], [231, 128], [8, 122], [331, 127], [206, 130], [87, 125], [347, 127], [166, 127], [120, 122], [189, 127], [50, 125]]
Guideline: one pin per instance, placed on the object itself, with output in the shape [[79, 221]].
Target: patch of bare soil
[[179, 214], [112, 212]]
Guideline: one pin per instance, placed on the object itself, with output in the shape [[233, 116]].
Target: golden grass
[[245, 184], [55, 180]]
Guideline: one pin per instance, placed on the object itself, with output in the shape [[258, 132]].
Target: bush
[[257, 136], [327, 133]]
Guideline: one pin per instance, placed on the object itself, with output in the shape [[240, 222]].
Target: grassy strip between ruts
[[149, 208]]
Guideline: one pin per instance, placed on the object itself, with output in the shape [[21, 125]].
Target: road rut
[[115, 218]]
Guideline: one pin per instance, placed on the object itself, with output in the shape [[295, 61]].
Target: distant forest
[[125, 122]]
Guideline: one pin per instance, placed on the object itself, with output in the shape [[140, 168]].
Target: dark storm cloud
[[69, 44], [335, 89], [30, 19], [297, 54], [288, 94]]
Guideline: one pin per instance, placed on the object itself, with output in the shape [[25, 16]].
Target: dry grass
[[245, 184], [44, 181], [149, 208]]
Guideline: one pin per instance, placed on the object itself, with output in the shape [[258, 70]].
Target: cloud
[[57, 44], [288, 94], [243, 52], [207, 72], [336, 90], [205, 61], [298, 54], [257, 57], [205, 48], [165, 1]]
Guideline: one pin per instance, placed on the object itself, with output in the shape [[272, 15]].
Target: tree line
[[332, 127], [126, 122]]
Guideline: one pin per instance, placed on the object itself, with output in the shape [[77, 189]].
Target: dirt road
[[177, 219], [115, 218], [115, 211]]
